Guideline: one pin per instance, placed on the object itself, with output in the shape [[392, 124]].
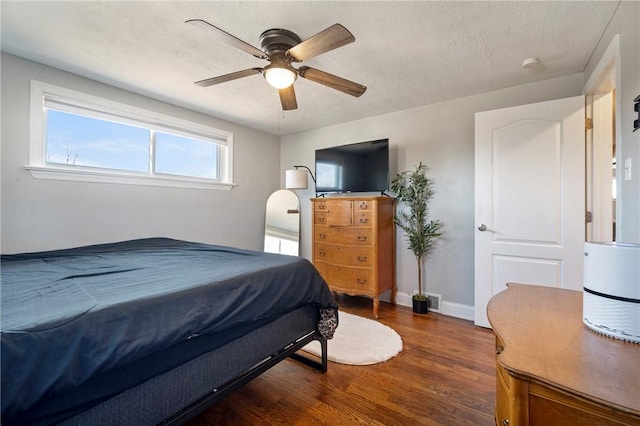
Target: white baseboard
[[446, 308], [458, 310], [403, 299]]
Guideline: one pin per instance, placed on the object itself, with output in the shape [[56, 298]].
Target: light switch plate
[[627, 169]]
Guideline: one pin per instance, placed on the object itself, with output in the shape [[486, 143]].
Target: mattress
[[71, 315], [137, 394]]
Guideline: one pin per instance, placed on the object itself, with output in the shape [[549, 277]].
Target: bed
[[149, 331]]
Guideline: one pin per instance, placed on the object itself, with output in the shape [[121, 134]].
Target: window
[[78, 140], [75, 136]]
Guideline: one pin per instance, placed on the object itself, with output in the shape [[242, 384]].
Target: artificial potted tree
[[414, 190]]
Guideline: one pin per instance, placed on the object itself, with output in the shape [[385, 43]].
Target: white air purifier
[[611, 299]]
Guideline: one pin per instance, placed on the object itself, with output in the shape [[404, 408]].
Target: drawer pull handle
[[363, 205], [321, 254], [361, 281], [362, 238], [505, 422], [322, 236], [321, 219], [321, 206], [362, 258]]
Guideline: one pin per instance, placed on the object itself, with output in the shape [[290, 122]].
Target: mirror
[[282, 223]]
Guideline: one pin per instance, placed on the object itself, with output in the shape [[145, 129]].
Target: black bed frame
[[216, 395], [182, 393]]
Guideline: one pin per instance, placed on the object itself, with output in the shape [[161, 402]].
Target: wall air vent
[[434, 302]]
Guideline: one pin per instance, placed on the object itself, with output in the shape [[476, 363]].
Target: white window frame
[[44, 93]]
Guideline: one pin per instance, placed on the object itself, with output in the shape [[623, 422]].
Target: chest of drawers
[[552, 370], [354, 245]]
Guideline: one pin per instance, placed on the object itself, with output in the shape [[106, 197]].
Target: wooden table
[[552, 369]]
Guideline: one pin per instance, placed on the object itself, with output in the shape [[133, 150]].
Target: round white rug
[[359, 341]]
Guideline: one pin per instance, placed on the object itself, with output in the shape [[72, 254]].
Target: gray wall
[[442, 136], [45, 214], [39, 214], [626, 23]]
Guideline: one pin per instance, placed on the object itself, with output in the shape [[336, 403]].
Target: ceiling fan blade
[[332, 81], [288, 98], [333, 37], [227, 77], [227, 38]]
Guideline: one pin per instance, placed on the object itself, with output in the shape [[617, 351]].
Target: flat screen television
[[357, 167]]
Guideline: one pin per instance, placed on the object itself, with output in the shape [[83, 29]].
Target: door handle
[[483, 228]]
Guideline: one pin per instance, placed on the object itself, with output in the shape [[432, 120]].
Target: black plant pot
[[420, 306]]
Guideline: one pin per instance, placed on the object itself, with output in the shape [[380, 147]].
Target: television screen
[[358, 167]]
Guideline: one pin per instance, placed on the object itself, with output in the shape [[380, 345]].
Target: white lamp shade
[[296, 179], [279, 78]]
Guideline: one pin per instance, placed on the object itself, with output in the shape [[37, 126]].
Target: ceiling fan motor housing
[[278, 41]]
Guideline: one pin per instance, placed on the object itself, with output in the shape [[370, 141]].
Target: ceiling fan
[[282, 47]]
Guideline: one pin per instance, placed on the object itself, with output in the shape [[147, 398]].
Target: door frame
[[604, 78]]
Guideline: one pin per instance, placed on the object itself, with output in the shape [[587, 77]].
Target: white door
[[530, 198]]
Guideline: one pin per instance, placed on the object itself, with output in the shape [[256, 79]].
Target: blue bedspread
[[68, 315]]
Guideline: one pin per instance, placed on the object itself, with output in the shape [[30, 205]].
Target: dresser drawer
[[320, 218], [348, 236], [339, 212], [344, 255], [362, 218], [319, 205], [359, 205], [347, 279]]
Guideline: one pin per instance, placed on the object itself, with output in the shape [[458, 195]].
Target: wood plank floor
[[445, 375]]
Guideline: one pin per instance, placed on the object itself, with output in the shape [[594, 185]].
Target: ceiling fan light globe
[[280, 78]]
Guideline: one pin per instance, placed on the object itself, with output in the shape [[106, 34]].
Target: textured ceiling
[[408, 54]]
